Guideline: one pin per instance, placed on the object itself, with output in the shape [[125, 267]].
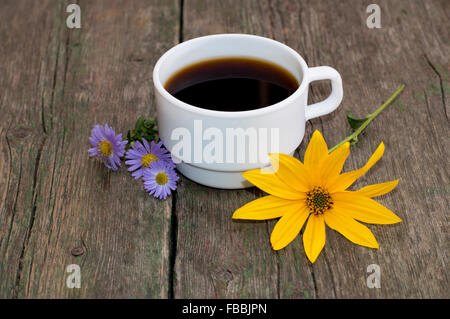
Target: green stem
[[370, 117]]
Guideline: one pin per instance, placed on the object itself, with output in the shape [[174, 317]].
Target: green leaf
[[358, 125], [354, 141], [139, 124], [144, 128], [354, 122]]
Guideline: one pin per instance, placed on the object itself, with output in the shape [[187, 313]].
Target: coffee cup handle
[[331, 102]]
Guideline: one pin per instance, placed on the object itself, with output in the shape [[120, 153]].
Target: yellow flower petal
[[377, 189], [291, 171], [314, 237], [269, 182], [267, 207], [363, 208], [345, 180], [351, 229], [288, 227], [332, 166], [316, 151]]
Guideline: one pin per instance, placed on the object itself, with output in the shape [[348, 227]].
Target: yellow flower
[[316, 191]]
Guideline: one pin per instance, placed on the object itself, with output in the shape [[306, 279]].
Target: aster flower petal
[[316, 151], [291, 171], [93, 151], [377, 189], [94, 140], [158, 192], [134, 167], [132, 154], [289, 226], [363, 209], [146, 145], [314, 237], [267, 207], [111, 165], [344, 180], [269, 182], [352, 230], [137, 174], [142, 154], [137, 145], [133, 162], [173, 186], [154, 184], [97, 132], [107, 146]]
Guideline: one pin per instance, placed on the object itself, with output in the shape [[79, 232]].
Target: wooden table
[[58, 207]]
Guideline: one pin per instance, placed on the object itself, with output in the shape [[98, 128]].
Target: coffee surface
[[232, 84]]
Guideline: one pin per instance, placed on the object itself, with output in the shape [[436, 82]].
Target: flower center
[[318, 201], [106, 147], [147, 159], [161, 178]]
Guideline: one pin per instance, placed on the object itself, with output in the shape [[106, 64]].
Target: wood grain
[[373, 64], [62, 207], [58, 207]]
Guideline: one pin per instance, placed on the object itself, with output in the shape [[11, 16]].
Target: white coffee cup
[[287, 117]]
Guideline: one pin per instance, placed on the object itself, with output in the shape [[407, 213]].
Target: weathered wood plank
[[26, 65], [57, 207], [373, 63], [82, 213], [216, 257]]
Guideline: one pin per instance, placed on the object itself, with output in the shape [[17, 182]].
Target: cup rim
[[235, 114]]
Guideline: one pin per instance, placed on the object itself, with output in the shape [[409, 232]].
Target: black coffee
[[232, 84]]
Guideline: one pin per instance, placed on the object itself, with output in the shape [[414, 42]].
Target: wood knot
[[135, 58], [77, 251], [224, 275], [21, 132]]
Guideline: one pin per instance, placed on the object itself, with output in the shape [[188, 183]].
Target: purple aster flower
[[107, 146], [160, 180], [142, 155]]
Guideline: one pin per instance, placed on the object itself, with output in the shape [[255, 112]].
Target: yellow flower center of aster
[[318, 200], [105, 147], [161, 178], [147, 159]]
